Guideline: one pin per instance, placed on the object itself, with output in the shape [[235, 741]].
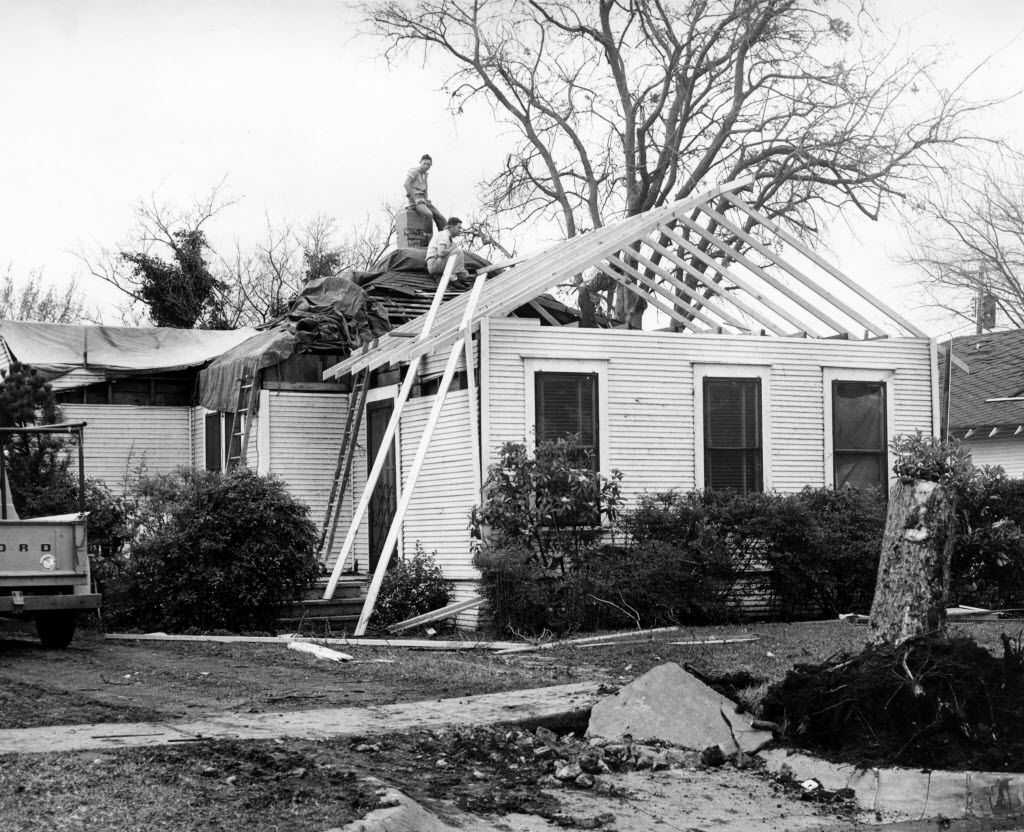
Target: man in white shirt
[[416, 190], [444, 245]]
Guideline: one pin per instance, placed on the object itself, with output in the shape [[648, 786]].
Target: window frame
[[594, 366], [763, 373], [829, 376]]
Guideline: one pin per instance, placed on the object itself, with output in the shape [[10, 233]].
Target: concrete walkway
[[563, 701]]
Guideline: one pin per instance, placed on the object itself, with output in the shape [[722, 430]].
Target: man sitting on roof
[[416, 190], [444, 245]]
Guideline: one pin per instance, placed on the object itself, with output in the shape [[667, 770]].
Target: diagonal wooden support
[[417, 463], [389, 436]]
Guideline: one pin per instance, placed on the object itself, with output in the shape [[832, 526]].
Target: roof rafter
[[729, 288]]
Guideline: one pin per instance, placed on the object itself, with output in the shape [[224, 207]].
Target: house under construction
[[768, 369]]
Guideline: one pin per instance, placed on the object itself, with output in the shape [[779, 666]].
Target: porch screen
[[732, 434], [567, 405], [858, 434]]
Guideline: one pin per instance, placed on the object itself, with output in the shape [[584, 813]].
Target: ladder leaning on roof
[[241, 423], [343, 470]]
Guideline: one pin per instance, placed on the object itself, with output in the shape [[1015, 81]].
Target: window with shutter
[[567, 406], [732, 434], [859, 449]]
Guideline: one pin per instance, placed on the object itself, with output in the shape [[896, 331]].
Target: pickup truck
[[44, 561]]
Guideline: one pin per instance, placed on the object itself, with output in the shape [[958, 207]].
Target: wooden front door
[[384, 500]]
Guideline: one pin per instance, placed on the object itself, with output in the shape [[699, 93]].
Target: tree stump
[[913, 572]]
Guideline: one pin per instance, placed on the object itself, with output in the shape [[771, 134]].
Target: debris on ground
[[671, 705], [319, 651], [932, 702]]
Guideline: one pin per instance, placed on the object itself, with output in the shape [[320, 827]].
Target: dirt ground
[[98, 680], [319, 785]]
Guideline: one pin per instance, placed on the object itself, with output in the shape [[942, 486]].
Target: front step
[[344, 608]]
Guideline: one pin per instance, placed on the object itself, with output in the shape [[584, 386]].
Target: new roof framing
[[685, 260]]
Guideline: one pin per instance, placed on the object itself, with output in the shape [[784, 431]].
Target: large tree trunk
[[913, 573]]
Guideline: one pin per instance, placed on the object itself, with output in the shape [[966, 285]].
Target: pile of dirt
[[931, 703]]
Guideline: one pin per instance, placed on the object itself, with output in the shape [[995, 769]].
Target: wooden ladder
[[343, 470], [241, 423]]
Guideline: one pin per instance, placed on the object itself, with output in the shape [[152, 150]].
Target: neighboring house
[[134, 386], [763, 380], [979, 412]]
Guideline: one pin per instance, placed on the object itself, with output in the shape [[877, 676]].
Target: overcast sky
[[107, 101]]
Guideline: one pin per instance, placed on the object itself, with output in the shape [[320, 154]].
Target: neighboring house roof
[[729, 293], [996, 364], [84, 351]]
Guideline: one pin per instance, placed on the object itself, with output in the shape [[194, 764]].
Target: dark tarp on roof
[[405, 270], [219, 383], [996, 362], [331, 314]]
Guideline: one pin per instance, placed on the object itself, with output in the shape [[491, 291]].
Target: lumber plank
[[437, 615]]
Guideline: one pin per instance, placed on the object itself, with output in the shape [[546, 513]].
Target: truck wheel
[[56, 629]]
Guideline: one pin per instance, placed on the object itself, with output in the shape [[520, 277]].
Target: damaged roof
[[58, 349], [694, 261]]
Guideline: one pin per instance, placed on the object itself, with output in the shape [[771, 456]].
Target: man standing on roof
[[444, 245], [416, 190]]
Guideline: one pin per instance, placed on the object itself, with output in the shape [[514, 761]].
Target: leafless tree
[[620, 106], [967, 240], [32, 299]]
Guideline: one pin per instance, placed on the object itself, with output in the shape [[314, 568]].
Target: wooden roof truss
[[713, 264]]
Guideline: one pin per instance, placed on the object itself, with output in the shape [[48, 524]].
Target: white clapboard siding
[[305, 431], [438, 513], [1007, 451], [123, 440], [649, 429]]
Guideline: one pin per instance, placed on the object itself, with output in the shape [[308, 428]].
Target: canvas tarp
[[219, 383], [330, 314], [55, 349]]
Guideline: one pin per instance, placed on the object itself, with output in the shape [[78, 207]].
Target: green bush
[[987, 568], [411, 586], [212, 551], [550, 503]]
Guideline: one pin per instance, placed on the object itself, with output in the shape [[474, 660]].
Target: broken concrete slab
[[397, 813], [669, 704], [562, 703], [903, 794]]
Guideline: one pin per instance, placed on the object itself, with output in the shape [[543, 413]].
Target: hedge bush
[[693, 558], [212, 551], [411, 586]]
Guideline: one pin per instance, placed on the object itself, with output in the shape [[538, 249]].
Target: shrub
[[837, 565], [921, 457], [816, 551], [551, 503], [411, 586], [987, 568], [213, 551]]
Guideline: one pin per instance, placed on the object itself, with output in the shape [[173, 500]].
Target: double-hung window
[[567, 405], [859, 447], [733, 447]]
